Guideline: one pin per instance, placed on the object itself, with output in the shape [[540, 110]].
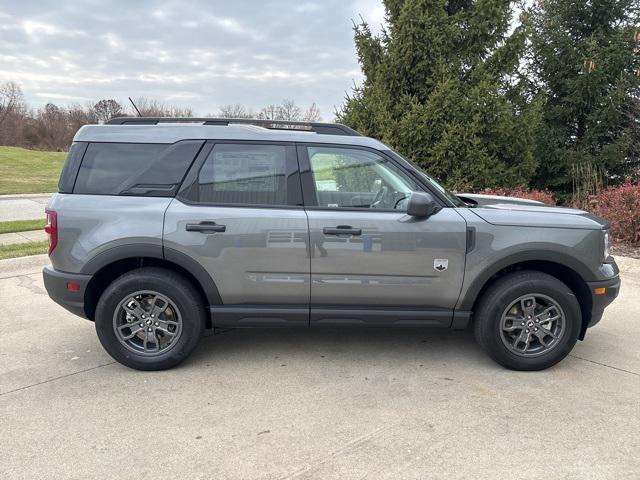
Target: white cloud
[[197, 53], [231, 24], [60, 96], [112, 40], [181, 96], [307, 7], [234, 26], [159, 13], [36, 28]]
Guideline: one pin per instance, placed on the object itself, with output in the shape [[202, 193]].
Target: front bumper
[[57, 285], [602, 294]]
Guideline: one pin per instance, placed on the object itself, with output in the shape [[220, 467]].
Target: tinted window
[[135, 168], [70, 169], [243, 174], [352, 178]]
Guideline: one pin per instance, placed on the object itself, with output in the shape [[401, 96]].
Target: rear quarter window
[[70, 168], [149, 169]]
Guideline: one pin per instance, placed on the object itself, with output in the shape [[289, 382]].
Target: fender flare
[[184, 261], [470, 295]]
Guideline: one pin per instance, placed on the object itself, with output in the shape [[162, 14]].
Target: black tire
[[506, 290], [169, 284]]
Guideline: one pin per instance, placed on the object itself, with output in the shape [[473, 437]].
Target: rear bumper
[[600, 301], [57, 283]]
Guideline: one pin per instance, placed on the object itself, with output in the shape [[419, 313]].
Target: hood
[[535, 214], [479, 199]]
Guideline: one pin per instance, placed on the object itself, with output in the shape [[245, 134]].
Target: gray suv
[[163, 229]]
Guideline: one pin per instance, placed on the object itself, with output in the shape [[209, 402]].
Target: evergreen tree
[[586, 58], [443, 87]]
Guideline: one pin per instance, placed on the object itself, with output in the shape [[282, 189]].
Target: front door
[[240, 216], [371, 263]]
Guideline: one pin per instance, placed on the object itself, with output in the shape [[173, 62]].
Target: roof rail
[[319, 128]]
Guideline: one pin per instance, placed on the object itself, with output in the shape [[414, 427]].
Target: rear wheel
[[150, 319], [528, 320]]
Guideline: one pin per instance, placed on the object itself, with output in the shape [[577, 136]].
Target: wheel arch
[[107, 266], [571, 273]]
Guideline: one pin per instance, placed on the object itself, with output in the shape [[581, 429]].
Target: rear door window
[[247, 174], [148, 169]]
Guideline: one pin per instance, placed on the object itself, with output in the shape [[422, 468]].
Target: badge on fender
[[441, 264]]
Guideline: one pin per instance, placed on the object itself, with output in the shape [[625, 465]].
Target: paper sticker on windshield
[[441, 264]]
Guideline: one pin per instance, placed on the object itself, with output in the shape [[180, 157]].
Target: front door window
[[352, 178]]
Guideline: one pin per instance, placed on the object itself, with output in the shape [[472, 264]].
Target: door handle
[[205, 227], [342, 230]]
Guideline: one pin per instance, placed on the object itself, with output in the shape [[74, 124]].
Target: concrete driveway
[[374, 404]]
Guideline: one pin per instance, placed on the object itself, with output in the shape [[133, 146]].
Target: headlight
[[606, 244]]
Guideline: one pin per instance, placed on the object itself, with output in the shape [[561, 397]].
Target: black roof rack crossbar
[[320, 128]]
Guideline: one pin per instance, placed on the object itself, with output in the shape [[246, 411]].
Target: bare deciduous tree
[[312, 114], [12, 114], [288, 110], [78, 116], [53, 127], [156, 108], [270, 112], [235, 110], [11, 98], [107, 109]]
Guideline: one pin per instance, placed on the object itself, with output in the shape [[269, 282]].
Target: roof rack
[[319, 128]]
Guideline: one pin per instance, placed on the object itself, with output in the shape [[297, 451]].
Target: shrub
[[544, 196], [621, 207]]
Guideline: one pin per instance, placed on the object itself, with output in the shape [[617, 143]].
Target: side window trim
[[306, 176], [294, 189], [308, 184]]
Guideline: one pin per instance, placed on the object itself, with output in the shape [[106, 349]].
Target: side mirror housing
[[422, 205]]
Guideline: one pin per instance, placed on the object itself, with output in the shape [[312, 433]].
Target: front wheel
[[150, 319], [528, 320]]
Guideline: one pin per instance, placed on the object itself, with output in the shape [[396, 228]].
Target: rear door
[[371, 263], [239, 214]]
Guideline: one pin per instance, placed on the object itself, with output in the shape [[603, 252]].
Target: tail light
[[51, 229]]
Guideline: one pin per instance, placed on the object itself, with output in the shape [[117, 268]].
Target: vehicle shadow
[[418, 345]]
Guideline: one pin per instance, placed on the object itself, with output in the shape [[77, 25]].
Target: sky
[[201, 54]]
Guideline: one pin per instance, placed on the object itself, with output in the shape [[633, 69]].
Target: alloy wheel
[[147, 323], [532, 325]]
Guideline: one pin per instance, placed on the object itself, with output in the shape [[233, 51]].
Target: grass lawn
[[21, 225], [29, 171], [23, 249]]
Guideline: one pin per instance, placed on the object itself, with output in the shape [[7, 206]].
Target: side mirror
[[422, 205]]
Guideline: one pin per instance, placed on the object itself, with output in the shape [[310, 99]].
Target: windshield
[[433, 183]]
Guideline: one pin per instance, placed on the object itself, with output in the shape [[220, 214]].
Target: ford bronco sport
[[165, 228]]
